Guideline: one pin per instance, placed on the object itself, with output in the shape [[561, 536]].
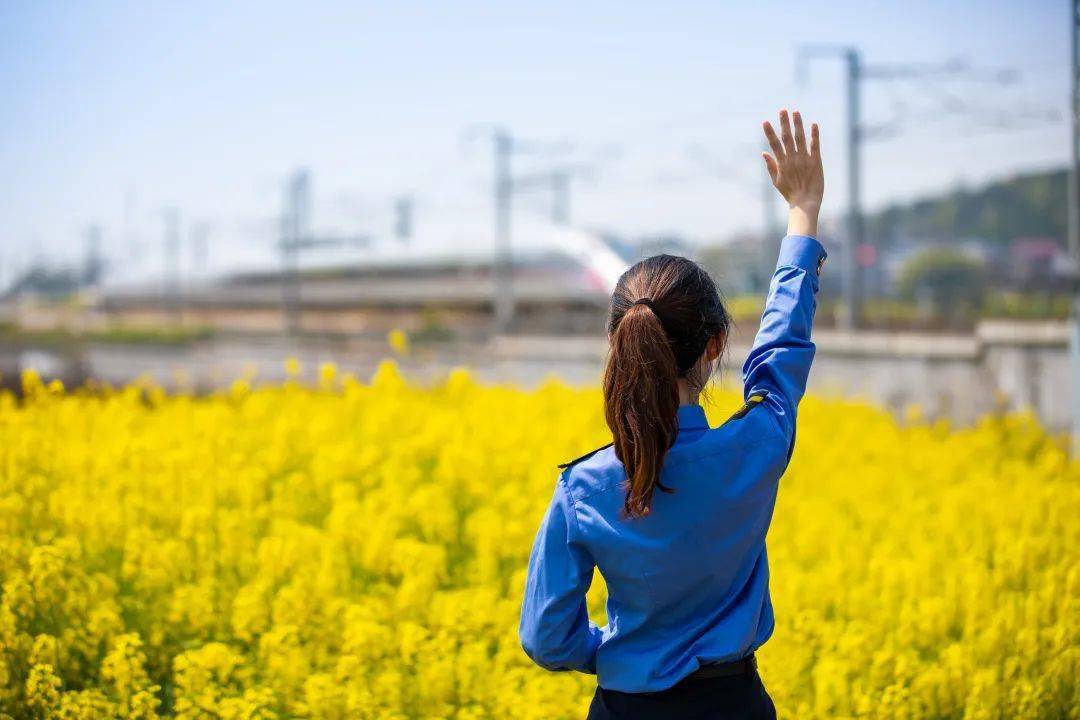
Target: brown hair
[[664, 311]]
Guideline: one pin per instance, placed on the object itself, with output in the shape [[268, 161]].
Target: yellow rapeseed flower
[[399, 341], [357, 550]]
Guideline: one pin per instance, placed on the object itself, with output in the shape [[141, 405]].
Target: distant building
[[44, 283], [1035, 260]]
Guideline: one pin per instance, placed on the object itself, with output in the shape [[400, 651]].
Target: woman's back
[[687, 584], [688, 581], [674, 514]]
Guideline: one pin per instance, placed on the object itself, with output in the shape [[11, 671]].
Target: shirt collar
[[692, 417]]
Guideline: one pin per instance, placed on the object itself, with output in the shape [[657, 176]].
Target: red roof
[[1035, 248]]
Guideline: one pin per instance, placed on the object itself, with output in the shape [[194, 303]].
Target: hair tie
[[645, 301]]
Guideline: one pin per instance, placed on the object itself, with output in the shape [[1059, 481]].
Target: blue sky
[[110, 112]]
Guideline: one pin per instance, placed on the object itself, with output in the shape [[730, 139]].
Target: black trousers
[[736, 697]]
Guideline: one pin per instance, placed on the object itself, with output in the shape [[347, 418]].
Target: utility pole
[[403, 218], [294, 225], [200, 248], [296, 236], [1074, 223], [92, 262], [134, 251], [503, 265], [559, 183], [171, 257], [853, 290], [504, 185], [849, 270], [560, 180], [856, 72], [560, 197]]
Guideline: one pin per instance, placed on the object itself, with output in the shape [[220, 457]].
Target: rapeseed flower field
[[358, 549]]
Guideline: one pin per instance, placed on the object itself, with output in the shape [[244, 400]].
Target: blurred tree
[[1023, 206], [952, 282]]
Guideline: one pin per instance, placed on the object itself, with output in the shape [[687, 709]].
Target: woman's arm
[[780, 360], [555, 630]]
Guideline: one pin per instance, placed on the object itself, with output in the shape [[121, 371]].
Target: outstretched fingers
[[794, 163], [774, 142], [785, 133], [771, 166], [800, 133]]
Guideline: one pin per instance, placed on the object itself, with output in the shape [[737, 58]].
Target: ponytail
[[664, 311], [641, 400]]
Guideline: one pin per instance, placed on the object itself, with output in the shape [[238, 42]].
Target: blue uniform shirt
[[689, 583]]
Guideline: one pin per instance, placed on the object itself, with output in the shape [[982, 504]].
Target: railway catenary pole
[[171, 269], [856, 73], [1074, 221], [296, 237], [853, 237], [503, 267]]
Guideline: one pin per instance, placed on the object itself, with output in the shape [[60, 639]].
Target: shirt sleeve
[[780, 359], [555, 630]]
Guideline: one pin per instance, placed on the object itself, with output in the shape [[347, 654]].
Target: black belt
[[745, 666]]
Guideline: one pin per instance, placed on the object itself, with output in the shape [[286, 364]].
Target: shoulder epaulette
[[751, 402], [586, 456]]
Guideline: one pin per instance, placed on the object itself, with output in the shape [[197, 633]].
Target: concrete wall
[[1000, 366]]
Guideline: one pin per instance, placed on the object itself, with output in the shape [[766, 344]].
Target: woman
[[673, 513]]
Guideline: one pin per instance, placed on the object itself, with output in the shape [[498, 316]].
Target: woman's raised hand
[[796, 171]]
